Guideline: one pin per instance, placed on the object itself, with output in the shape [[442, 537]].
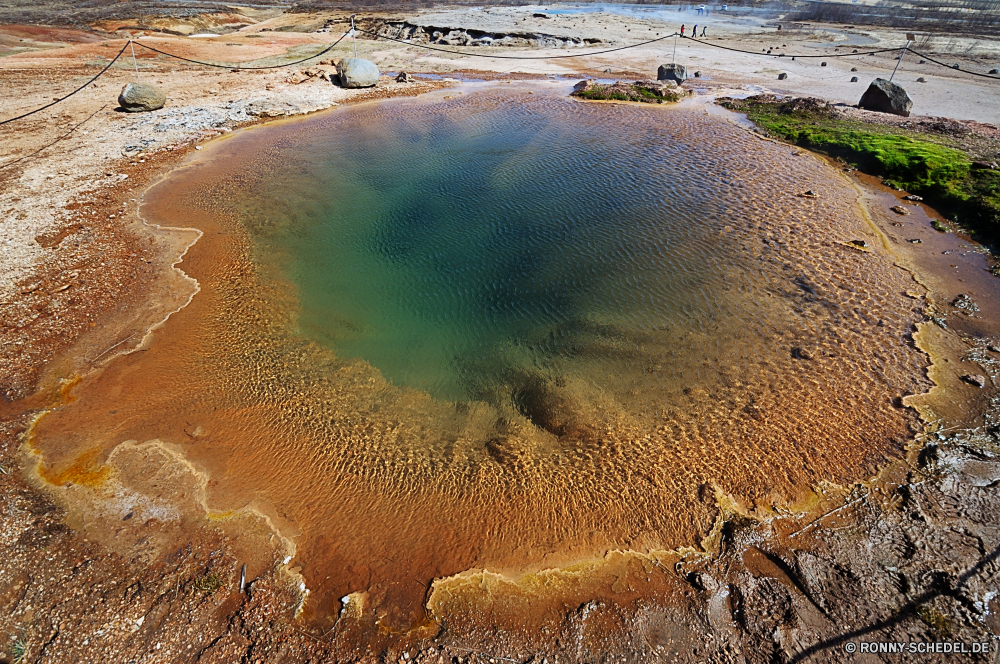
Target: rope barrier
[[966, 71], [785, 55], [45, 147], [478, 55], [652, 41], [129, 43], [101, 73], [237, 66]]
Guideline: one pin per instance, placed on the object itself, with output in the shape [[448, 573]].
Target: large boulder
[[886, 97], [672, 72], [357, 73], [139, 97]]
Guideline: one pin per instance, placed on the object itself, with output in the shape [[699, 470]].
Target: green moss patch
[[650, 92], [934, 166]]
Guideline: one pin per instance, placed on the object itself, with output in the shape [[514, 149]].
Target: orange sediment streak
[[85, 470]]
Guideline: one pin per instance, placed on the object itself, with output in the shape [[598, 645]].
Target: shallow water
[[509, 331]]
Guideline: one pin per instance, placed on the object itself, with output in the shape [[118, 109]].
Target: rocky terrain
[[909, 556]]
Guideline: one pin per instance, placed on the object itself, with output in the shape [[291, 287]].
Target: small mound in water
[[649, 92]]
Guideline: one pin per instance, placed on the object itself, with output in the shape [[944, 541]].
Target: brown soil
[[908, 556]]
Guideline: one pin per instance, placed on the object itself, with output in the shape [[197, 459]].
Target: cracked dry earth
[[910, 556]]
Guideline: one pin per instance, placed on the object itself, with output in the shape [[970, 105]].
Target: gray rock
[[357, 73], [965, 303], [404, 77], [921, 79], [782, 76], [672, 72], [139, 97], [854, 79], [886, 97]]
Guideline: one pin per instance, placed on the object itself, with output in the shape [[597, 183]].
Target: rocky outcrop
[[357, 73], [140, 97], [672, 72], [886, 97], [455, 36], [650, 92]]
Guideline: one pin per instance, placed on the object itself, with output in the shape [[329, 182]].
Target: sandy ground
[[883, 561]]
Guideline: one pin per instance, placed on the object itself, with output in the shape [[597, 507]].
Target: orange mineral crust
[[796, 378]]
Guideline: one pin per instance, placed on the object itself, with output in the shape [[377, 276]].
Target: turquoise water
[[449, 250], [567, 261]]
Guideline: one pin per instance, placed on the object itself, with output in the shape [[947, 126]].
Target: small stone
[[822, 64], [965, 303], [912, 197], [993, 348], [915, 241], [801, 354], [854, 79], [854, 68], [782, 76], [900, 209], [859, 243], [672, 72], [357, 73], [141, 97], [977, 380], [404, 77], [809, 194], [921, 79]]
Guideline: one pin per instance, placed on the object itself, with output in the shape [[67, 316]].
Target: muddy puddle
[[442, 347]]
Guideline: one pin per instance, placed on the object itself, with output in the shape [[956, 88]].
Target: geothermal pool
[[506, 331]]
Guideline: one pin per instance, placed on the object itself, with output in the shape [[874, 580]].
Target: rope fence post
[[135, 63], [354, 36], [909, 38]]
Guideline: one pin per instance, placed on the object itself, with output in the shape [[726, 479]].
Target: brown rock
[[975, 379]]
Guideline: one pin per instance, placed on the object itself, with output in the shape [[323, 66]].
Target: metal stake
[[134, 63], [909, 38], [354, 36]]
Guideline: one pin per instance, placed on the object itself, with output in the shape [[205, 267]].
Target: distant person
[[694, 33], [703, 29], [682, 31]]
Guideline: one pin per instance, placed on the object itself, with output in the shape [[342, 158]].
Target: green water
[[449, 248], [549, 255]]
